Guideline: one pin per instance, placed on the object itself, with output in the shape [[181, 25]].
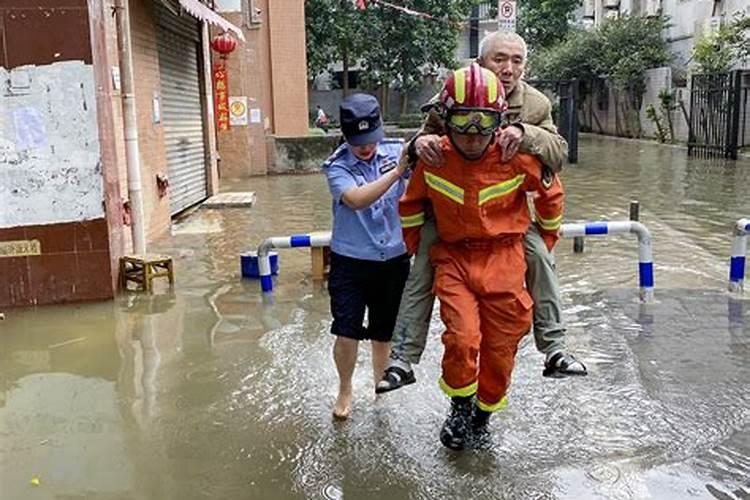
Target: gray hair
[[501, 36]]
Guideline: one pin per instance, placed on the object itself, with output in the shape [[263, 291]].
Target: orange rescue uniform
[[481, 212]]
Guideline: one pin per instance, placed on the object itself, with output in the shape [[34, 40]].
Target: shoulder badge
[[338, 153]]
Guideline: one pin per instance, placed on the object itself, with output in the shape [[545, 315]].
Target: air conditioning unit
[[653, 7], [611, 4]]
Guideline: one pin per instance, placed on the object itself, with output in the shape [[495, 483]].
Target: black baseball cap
[[360, 120]]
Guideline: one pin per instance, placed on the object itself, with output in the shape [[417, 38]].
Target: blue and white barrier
[[737, 261], [645, 253], [645, 259], [322, 239]]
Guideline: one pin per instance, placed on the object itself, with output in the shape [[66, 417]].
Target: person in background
[[321, 119]]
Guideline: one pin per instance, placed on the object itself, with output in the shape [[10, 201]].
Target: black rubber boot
[[455, 430], [480, 438]]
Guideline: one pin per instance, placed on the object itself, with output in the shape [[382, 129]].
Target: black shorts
[[356, 284]]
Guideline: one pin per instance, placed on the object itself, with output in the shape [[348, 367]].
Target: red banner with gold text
[[221, 97]]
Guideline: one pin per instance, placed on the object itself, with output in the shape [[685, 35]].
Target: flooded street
[[210, 391]]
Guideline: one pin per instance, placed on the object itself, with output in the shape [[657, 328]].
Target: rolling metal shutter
[[182, 108]]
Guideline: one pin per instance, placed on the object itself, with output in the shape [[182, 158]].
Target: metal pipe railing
[[737, 260], [322, 239], [645, 258], [645, 251]]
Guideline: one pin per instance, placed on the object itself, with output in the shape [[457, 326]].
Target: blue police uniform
[[369, 264], [374, 232]]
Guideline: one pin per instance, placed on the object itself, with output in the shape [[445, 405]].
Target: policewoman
[[369, 263]]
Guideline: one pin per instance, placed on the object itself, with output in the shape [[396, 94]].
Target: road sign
[[506, 15]]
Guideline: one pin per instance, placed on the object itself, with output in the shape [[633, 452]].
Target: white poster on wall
[[255, 115], [237, 111]]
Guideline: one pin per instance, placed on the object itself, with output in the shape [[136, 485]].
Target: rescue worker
[[527, 126], [480, 207]]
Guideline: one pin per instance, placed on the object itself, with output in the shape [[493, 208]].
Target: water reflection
[[215, 391]]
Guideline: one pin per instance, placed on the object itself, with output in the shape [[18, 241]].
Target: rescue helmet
[[472, 100]]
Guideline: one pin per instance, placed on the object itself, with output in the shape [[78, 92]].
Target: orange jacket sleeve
[[549, 197], [411, 208]]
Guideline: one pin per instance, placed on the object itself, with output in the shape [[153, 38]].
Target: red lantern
[[224, 44]]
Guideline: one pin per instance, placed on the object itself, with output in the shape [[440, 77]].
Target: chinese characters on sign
[[506, 15], [221, 97], [20, 248]]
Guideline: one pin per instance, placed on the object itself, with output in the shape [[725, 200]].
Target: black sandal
[[394, 378], [564, 365]]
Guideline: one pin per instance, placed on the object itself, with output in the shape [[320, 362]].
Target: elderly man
[[527, 127]]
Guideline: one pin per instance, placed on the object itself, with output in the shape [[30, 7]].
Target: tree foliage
[[390, 45], [413, 45], [621, 49], [544, 23], [719, 51], [335, 33]]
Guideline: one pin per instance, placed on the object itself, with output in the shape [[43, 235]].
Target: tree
[[334, 31], [719, 51], [544, 23], [621, 49], [571, 58], [413, 45]]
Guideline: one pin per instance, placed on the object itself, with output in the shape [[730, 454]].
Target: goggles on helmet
[[473, 121]]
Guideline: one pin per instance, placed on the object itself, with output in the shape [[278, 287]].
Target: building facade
[[66, 214], [269, 73], [689, 19]]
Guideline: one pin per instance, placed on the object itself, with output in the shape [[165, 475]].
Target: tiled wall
[[74, 265], [270, 69]]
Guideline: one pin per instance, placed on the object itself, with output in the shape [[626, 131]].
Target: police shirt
[[373, 232]]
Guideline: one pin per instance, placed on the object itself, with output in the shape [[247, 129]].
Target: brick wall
[[243, 149], [288, 66]]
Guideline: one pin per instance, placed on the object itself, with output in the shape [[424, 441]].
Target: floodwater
[[209, 391]]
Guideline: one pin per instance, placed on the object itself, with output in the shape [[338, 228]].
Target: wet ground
[[210, 392]]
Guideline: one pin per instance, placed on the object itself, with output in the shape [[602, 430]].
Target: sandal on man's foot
[[394, 378], [561, 365]]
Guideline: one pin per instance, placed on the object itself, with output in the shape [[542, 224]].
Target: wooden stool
[[142, 269]]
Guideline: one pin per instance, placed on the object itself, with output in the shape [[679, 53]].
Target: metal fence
[[744, 100], [564, 95], [719, 123]]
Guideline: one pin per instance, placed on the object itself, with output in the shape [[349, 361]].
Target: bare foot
[[343, 406]]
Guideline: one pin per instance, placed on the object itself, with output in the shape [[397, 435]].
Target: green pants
[[413, 322]]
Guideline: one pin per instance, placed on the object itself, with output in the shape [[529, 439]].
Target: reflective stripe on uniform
[[445, 187], [462, 392], [550, 224], [412, 220], [500, 189], [495, 407]]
